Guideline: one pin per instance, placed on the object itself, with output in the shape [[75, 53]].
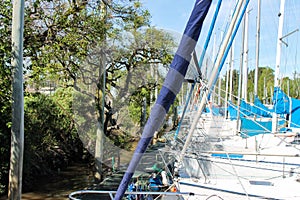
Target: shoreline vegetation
[[59, 185]]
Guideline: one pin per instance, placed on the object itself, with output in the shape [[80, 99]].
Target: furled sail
[[287, 105], [170, 89]]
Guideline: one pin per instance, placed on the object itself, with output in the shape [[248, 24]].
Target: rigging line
[[222, 98], [214, 120], [170, 89], [184, 111], [217, 67], [227, 152], [242, 98], [264, 128], [210, 32], [235, 172], [201, 60], [247, 117], [228, 45], [274, 12], [166, 163], [215, 163], [226, 28], [262, 168], [233, 167], [282, 140], [269, 22]]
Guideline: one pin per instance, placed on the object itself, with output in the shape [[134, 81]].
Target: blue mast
[[210, 33], [212, 25], [170, 89]]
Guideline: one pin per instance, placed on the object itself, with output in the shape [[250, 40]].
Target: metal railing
[[180, 195]]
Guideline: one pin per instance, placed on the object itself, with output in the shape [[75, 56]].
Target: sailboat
[[263, 166]]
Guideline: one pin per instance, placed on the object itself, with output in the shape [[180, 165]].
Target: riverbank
[[79, 176], [59, 186]]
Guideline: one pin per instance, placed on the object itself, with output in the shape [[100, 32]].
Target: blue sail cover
[[232, 110], [287, 105], [246, 109], [281, 102], [260, 109], [170, 89], [257, 110], [251, 127], [295, 113]]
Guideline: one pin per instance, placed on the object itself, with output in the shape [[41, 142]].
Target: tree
[[62, 40], [61, 43], [78, 44], [266, 84], [51, 140], [5, 92]]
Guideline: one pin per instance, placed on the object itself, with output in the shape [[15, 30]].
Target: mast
[[278, 57], [170, 88], [227, 83], [219, 81], [257, 48], [231, 55], [199, 64], [245, 56], [241, 89], [233, 27]]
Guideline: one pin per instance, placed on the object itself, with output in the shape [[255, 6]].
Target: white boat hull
[[242, 189]]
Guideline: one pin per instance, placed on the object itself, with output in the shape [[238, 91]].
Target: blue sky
[[173, 15]]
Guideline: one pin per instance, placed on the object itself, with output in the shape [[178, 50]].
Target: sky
[[172, 15]]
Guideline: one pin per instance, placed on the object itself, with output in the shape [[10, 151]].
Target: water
[[59, 186]]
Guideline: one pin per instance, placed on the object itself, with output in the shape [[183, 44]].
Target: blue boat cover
[[246, 109], [260, 109], [287, 105], [257, 110], [281, 102], [288, 108], [232, 110], [251, 127]]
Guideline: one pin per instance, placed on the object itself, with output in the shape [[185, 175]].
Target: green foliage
[[59, 37], [5, 92], [131, 74], [265, 82], [50, 135], [5, 32], [265, 85], [235, 85], [5, 144], [71, 43]]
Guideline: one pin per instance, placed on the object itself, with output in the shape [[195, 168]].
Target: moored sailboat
[[264, 165]]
